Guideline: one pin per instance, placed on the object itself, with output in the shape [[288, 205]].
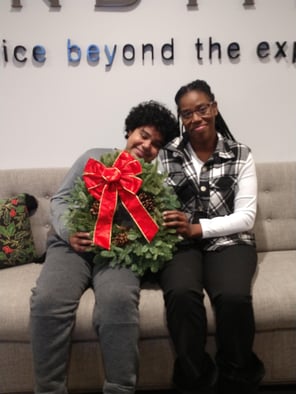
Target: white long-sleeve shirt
[[245, 202]]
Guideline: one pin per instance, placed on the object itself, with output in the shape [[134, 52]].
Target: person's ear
[[215, 108]]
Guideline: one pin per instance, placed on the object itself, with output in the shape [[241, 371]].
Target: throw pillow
[[16, 239]]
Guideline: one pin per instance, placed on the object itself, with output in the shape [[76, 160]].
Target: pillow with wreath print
[[16, 239]]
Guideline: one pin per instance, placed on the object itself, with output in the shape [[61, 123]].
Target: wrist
[[196, 230]]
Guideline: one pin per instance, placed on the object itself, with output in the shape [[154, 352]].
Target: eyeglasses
[[201, 110]]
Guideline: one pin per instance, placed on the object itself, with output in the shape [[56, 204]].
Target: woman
[[69, 270], [214, 177]]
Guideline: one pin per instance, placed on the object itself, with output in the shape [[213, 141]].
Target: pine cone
[[120, 239], [147, 199], [95, 208]]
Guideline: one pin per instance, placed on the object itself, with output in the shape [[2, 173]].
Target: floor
[[291, 389], [287, 389]]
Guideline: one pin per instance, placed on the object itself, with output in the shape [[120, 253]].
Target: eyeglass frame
[[190, 113]]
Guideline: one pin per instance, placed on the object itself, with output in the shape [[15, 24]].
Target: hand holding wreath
[[122, 241]]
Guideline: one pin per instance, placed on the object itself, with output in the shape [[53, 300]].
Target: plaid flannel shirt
[[214, 194]]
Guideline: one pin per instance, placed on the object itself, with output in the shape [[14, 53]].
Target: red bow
[[105, 184]]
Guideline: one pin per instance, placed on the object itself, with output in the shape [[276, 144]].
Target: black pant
[[226, 276]]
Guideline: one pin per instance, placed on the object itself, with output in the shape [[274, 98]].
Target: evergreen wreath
[[129, 248]]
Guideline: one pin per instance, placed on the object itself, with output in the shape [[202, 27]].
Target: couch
[[274, 292]]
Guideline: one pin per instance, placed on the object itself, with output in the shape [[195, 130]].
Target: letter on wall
[[18, 4], [115, 3]]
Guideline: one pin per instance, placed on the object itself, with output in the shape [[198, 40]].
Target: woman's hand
[[179, 221], [80, 242]]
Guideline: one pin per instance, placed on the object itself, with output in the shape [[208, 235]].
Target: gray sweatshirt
[[58, 205]]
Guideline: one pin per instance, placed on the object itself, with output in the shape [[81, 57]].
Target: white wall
[[50, 114]]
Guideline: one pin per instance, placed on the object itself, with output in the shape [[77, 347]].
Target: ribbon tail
[[103, 227], [140, 216]]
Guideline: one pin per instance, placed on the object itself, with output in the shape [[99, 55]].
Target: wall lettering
[[19, 53], [205, 49], [233, 49], [192, 3], [263, 50], [18, 3], [117, 3], [129, 53]]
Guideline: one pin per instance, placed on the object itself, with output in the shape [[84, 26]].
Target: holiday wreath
[[120, 201]]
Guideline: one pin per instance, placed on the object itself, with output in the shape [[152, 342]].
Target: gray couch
[[274, 294]]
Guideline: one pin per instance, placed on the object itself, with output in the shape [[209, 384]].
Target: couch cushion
[[275, 291], [41, 183], [15, 289], [274, 301], [275, 226]]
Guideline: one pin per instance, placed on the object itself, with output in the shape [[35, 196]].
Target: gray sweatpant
[[63, 279]]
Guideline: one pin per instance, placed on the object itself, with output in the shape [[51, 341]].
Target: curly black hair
[[152, 113]]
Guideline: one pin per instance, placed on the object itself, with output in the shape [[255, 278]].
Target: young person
[[68, 271], [215, 179]]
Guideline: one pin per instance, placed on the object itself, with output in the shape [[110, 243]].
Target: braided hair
[[202, 86]]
